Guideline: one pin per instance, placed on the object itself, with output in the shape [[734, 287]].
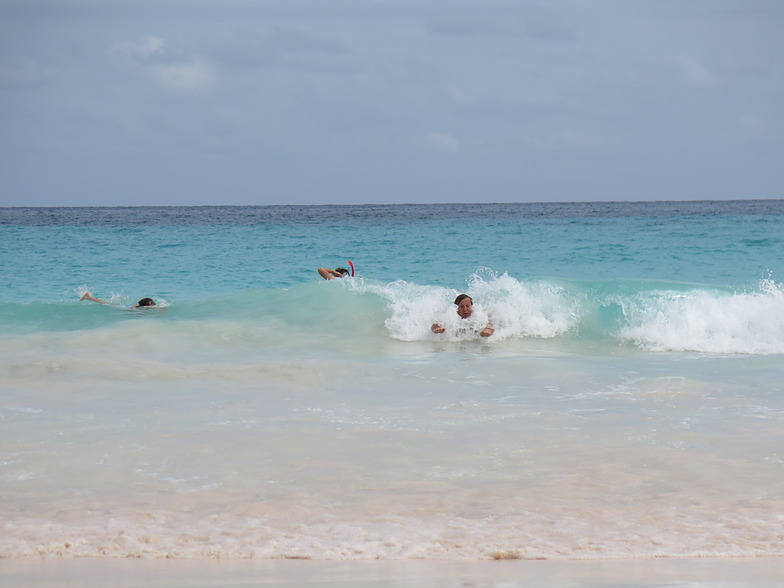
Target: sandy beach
[[127, 573]]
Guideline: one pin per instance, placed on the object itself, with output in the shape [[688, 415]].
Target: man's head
[[146, 302], [465, 305], [342, 271]]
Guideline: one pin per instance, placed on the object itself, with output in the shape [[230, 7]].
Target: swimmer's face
[[465, 307]]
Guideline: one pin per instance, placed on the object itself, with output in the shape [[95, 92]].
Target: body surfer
[[331, 274], [338, 272], [143, 303], [465, 308]]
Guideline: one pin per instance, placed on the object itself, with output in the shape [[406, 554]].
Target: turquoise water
[[701, 276], [629, 403], [194, 253]]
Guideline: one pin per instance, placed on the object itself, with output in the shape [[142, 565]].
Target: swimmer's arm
[[437, 329], [487, 331], [91, 298]]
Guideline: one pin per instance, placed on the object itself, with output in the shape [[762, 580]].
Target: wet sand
[[126, 573]]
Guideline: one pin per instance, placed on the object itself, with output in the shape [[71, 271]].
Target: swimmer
[[465, 308], [144, 302], [331, 274]]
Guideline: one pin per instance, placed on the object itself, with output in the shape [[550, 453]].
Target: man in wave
[[465, 307]]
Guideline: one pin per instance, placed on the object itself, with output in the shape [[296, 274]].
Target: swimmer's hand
[[487, 331], [437, 329]]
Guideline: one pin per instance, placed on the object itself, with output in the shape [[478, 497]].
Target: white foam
[[704, 321], [516, 309]]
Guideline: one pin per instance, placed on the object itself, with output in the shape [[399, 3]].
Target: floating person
[[465, 308], [331, 274], [338, 272], [143, 303]]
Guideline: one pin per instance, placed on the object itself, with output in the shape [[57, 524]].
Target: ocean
[[630, 403]]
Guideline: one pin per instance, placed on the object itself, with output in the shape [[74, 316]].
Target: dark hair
[[146, 302], [462, 297], [342, 271]]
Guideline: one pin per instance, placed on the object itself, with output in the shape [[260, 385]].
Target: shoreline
[[758, 572]]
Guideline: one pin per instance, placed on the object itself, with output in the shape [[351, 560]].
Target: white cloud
[[546, 26], [698, 73], [442, 143], [459, 96], [292, 40], [21, 73], [467, 25], [570, 139], [151, 56], [190, 76], [145, 49], [751, 123], [271, 48]]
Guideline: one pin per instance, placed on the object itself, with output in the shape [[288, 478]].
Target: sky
[[197, 102]]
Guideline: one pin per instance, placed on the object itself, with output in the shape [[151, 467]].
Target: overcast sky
[[135, 102]]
